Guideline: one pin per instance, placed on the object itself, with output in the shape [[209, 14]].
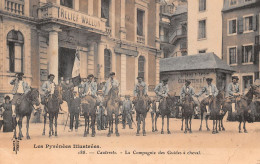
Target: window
[[141, 61], [202, 5], [247, 54], [107, 62], [233, 55], [232, 24], [67, 3], [233, 2], [248, 23], [105, 10], [140, 22], [247, 82], [15, 43], [202, 29], [202, 51]]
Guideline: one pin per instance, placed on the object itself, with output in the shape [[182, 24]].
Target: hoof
[[200, 129], [185, 131], [181, 129], [109, 135], [162, 132], [137, 134], [117, 134], [208, 129], [217, 131], [190, 131], [93, 135], [223, 129], [19, 138], [168, 132], [85, 135], [213, 132], [144, 133], [156, 130], [240, 131], [28, 137], [56, 134], [153, 130], [245, 131]]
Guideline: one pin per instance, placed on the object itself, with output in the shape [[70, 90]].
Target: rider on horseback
[[187, 89], [161, 91], [233, 91], [211, 91], [89, 87], [142, 84], [21, 88]]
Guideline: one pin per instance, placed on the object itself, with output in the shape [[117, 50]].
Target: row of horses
[[142, 104]]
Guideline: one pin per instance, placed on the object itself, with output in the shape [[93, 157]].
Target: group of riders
[[89, 87]]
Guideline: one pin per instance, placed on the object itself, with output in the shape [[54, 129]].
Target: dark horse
[[52, 107], [25, 109], [89, 105], [187, 111], [165, 109], [113, 103], [242, 106], [141, 104], [225, 107]]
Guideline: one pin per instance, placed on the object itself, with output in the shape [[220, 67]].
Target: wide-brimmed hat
[[7, 97], [112, 74], [140, 77], [20, 74], [165, 80], [209, 79], [187, 81], [50, 75], [235, 77], [89, 76]]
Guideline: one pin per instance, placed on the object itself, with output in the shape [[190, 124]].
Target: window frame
[[73, 4], [138, 72], [242, 80], [244, 23], [205, 6], [231, 19], [232, 4], [143, 23], [242, 53], [204, 38], [228, 56], [105, 63]]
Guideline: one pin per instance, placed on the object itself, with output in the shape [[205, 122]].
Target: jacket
[[136, 90], [108, 86], [161, 90], [89, 88], [15, 83], [75, 105], [46, 87], [206, 89], [184, 91], [232, 89]]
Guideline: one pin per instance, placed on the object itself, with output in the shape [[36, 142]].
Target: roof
[[193, 62]]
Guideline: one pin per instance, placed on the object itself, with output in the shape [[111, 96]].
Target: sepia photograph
[[129, 81]]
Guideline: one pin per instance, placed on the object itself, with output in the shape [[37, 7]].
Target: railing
[[177, 34], [108, 30], [140, 39], [15, 6]]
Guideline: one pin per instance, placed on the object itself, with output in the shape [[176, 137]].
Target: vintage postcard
[[129, 81]]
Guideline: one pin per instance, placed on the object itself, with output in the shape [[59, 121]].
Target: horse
[[243, 109], [225, 107], [89, 105], [187, 111], [112, 105], [52, 107], [165, 109], [25, 109]]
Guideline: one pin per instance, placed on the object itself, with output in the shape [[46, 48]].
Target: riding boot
[[13, 111]]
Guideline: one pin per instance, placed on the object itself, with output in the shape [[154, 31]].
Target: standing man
[[74, 111], [109, 84], [67, 91], [127, 112], [211, 92], [20, 88], [100, 111], [161, 91]]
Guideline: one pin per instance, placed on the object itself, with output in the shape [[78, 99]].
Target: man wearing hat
[[74, 111], [20, 88], [187, 89], [89, 87], [233, 93], [140, 83], [111, 82], [100, 111], [67, 91], [211, 92], [161, 91], [127, 112], [7, 119], [47, 88]]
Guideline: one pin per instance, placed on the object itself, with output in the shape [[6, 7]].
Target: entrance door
[[66, 62]]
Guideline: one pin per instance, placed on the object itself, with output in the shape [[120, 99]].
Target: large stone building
[[38, 37], [205, 26], [241, 39]]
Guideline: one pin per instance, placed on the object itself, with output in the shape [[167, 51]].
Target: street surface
[[225, 147]]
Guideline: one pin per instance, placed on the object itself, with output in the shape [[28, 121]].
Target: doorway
[[66, 62]]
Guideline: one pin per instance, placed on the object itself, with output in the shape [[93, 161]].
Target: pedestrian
[[8, 117], [74, 111], [100, 111], [127, 112]]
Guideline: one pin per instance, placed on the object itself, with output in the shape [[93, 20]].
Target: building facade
[[173, 28], [39, 37], [241, 39], [205, 26]]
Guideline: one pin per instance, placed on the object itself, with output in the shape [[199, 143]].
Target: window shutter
[[238, 61], [240, 25], [256, 52], [230, 26], [242, 54], [255, 22]]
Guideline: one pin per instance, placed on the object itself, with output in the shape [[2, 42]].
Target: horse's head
[[255, 90], [34, 96], [58, 92], [221, 95], [114, 91], [141, 91], [187, 97]]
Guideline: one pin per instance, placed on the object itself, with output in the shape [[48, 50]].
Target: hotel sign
[[81, 19]]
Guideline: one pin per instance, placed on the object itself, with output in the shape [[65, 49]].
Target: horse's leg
[[156, 117], [222, 121], [213, 130], [201, 120], [109, 122], [190, 124], [186, 125], [20, 127], [85, 132], [182, 118], [116, 125], [152, 114], [239, 127], [217, 124], [143, 116], [88, 124], [207, 117], [168, 126], [93, 120], [138, 123], [112, 125], [162, 124], [244, 120], [14, 125], [50, 124], [44, 123], [27, 128], [56, 124]]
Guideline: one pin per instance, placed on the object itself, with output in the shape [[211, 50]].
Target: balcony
[[179, 33], [51, 12], [108, 31], [140, 39], [164, 39], [14, 6]]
